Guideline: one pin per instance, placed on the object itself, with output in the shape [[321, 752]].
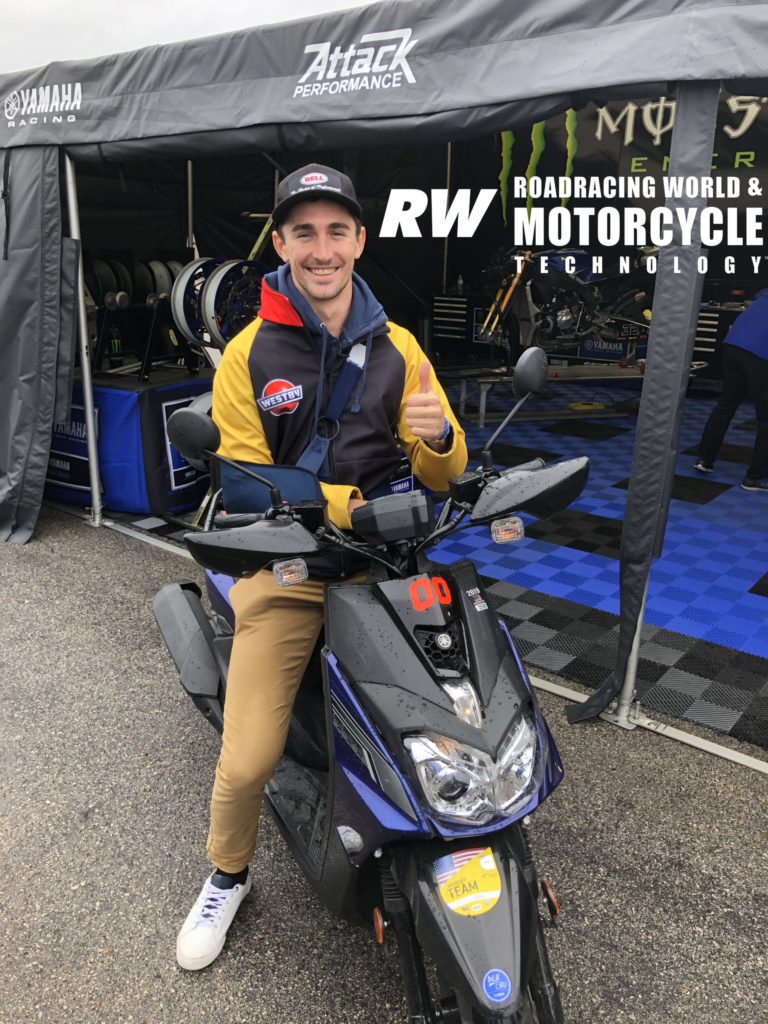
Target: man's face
[[320, 241]]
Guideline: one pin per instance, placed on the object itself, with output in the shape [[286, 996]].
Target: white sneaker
[[202, 935]]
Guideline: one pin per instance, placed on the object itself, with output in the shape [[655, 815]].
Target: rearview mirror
[[530, 372], [193, 434]]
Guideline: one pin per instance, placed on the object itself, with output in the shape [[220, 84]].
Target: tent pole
[[620, 716], [445, 243], [676, 305], [190, 210], [85, 356]]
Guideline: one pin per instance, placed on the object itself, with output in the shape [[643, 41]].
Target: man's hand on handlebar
[[355, 503]]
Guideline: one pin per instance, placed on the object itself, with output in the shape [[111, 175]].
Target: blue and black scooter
[[417, 748]]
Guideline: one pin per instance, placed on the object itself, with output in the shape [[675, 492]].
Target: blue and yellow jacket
[[274, 374]]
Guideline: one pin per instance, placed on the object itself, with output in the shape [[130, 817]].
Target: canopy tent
[[377, 75]]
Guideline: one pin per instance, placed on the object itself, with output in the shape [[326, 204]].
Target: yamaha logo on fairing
[[43, 104], [602, 346], [377, 61]]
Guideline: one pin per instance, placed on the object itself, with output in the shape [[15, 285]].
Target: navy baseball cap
[[315, 181]]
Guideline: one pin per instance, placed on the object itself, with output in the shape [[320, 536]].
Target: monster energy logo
[[538, 145], [656, 117]]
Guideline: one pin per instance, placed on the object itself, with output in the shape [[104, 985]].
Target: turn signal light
[[287, 574], [504, 531]]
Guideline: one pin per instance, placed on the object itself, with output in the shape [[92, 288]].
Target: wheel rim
[[230, 299], [186, 294]]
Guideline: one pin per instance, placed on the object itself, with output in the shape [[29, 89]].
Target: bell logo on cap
[[314, 181], [315, 178]]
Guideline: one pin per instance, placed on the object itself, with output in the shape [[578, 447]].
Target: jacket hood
[[283, 303]]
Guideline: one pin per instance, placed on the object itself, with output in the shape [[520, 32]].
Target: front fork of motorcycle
[[400, 918], [543, 988]]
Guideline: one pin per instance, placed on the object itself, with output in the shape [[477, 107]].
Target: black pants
[[745, 375]]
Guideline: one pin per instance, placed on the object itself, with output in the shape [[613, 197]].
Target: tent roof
[[379, 73]]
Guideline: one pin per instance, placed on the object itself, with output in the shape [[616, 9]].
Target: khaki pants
[[276, 629]]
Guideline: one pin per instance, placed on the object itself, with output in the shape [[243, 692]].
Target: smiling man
[[321, 380], [321, 248]]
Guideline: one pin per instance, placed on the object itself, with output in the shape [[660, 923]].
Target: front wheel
[[453, 1009], [474, 914], [450, 1012]]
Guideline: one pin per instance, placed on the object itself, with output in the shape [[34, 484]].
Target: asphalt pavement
[[657, 852]]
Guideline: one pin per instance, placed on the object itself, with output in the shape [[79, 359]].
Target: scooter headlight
[[455, 778], [519, 766], [465, 784]]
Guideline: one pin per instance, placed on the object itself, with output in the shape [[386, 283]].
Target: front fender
[[475, 913]]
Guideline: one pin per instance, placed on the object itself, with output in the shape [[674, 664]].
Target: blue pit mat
[[704, 650]]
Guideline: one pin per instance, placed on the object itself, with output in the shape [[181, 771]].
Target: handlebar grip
[[532, 465], [227, 521]]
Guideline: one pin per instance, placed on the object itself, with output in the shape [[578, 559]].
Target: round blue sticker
[[497, 986]]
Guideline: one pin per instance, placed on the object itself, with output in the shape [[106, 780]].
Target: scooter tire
[[456, 1010], [464, 1014]]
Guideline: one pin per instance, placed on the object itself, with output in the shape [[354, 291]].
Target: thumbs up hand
[[424, 412]]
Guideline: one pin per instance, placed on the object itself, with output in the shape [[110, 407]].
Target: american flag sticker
[[468, 881], [448, 866]]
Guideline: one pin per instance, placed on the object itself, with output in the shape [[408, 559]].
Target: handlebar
[[393, 529]]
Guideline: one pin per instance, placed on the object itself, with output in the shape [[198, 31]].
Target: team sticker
[[469, 881]]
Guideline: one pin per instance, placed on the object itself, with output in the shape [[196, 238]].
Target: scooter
[[417, 749]]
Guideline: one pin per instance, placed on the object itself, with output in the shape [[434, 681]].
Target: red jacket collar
[[277, 307]]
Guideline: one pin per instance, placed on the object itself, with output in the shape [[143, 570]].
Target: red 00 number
[[424, 591]]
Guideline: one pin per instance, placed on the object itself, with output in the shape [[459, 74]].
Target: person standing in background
[[745, 375]]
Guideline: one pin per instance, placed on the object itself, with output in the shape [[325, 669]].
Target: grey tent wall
[[280, 81], [38, 281], [670, 348]]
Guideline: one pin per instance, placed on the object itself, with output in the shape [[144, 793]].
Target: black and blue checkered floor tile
[[704, 653]]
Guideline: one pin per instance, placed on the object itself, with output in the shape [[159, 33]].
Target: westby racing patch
[[280, 397], [469, 881]]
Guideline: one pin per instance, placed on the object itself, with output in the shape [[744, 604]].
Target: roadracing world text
[[697, 209]]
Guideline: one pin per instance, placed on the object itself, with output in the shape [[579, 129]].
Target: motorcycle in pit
[[417, 748], [555, 300]]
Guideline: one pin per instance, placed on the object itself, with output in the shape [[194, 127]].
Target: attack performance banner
[[396, 70]]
